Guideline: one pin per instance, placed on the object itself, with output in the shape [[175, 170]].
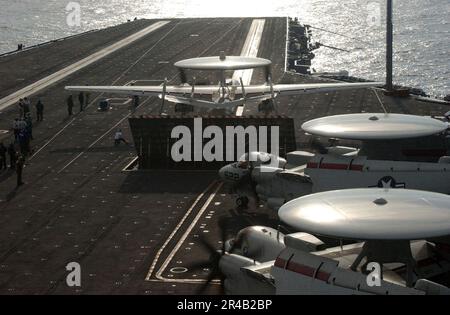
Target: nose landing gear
[[242, 202], [266, 106]]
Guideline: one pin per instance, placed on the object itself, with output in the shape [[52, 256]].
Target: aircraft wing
[[140, 90], [278, 89], [298, 89]]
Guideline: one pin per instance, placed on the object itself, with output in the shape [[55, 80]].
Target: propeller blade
[[272, 93], [193, 87], [215, 256], [224, 228], [214, 274], [183, 78], [163, 96], [223, 233], [244, 95], [267, 73], [254, 192], [212, 263], [199, 265], [206, 245]]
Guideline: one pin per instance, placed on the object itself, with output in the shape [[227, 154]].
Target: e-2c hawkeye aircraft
[[397, 151], [225, 95], [399, 233]]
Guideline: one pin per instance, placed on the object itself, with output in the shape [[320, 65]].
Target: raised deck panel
[[153, 141]]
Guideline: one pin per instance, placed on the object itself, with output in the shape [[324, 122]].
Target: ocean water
[[422, 29]]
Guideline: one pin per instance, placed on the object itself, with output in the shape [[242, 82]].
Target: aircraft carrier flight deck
[[132, 231]]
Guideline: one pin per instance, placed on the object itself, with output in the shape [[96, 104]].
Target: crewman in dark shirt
[[40, 111], [70, 105]]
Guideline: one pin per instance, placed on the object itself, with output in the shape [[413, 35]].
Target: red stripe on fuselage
[[335, 166], [302, 269]]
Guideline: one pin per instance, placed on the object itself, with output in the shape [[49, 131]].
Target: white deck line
[[188, 212], [159, 274], [287, 45], [63, 73], [250, 49]]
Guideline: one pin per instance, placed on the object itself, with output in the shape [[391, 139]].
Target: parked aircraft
[[397, 151], [397, 227]]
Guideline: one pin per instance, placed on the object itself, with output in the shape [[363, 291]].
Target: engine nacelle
[[259, 243]]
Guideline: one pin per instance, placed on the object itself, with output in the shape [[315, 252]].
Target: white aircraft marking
[[185, 235], [169, 239], [287, 46], [250, 49]]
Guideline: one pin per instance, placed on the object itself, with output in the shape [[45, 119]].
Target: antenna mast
[[389, 46]]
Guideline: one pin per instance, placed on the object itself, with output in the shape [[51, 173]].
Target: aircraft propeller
[[163, 95], [244, 95], [253, 192], [215, 256], [267, 73], [248, 184], [183, 77]]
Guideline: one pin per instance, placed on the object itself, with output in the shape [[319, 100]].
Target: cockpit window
[[243, 164], [245, 157]]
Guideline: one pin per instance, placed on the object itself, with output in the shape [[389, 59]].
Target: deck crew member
[[40, 111], [29, 127], [21, 124], [26, 106], [20, 105], [136, 101], [16, 129], [81, 100], [24, 142], [70, 104], [118, 137]]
